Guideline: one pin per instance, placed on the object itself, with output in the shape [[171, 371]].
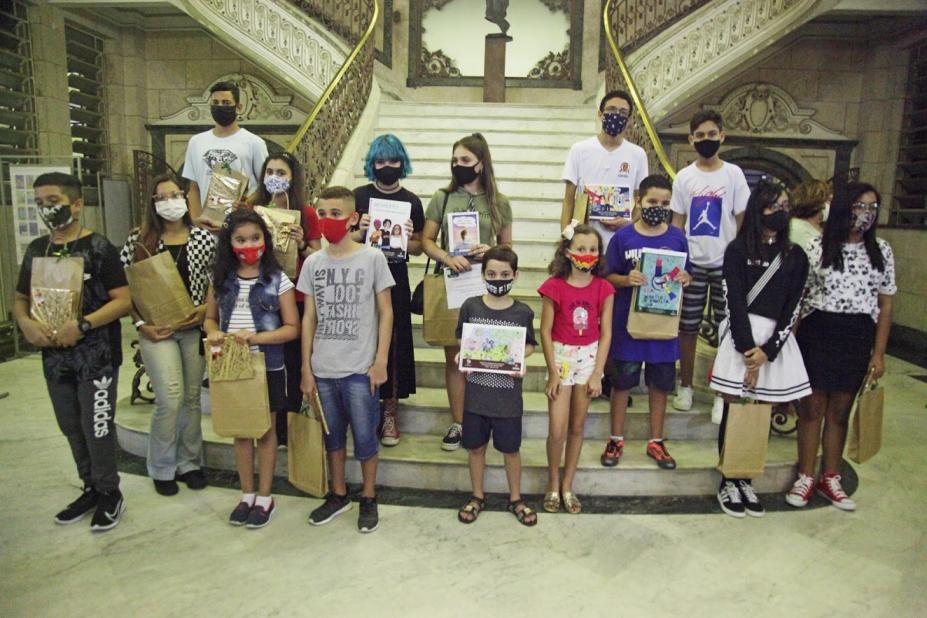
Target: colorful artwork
[[463, 232], [387, 230], [662, 292], [493, 349], [608, 201]]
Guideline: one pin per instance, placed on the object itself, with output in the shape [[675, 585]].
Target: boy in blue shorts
[[628, 356]]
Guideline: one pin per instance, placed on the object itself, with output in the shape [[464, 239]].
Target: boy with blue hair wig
[[387, 148]]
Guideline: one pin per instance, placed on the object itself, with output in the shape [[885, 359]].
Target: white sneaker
[[717, 410], [683, 399]]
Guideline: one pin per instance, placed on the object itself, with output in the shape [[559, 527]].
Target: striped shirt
[[241, 318]]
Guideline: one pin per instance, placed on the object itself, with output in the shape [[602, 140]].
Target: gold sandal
[[552, 502], [571, 503]]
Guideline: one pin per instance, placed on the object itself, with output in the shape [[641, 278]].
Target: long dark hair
[[561, 266], [477, 144], [837, 229], [296, 193], [152, 224], [226, 262], [764, 194]]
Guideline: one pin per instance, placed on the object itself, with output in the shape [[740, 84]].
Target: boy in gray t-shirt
[[493, 401], [346, 333]]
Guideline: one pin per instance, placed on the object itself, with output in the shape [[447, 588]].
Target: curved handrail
[[301, 133], [632, 90]]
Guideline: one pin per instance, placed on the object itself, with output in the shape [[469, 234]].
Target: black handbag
[[417, 304]]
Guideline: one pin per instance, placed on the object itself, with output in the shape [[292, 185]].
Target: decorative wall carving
[[553, 66], [260, 105], [437, 64], [557, 5]]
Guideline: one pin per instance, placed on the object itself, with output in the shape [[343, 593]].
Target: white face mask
[[826, 211], [173, 209]]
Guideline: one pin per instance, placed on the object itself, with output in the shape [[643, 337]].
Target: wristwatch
[[84, 325]]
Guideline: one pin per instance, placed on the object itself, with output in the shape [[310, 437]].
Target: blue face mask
[[613, 124], [276, 184]]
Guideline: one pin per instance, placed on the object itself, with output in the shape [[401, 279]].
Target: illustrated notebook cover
[[494, 349], [387, 230], [662, 292], [608, 201]]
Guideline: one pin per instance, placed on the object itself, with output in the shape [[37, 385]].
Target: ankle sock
[[263, 501], [248, 499], [617, 438], [657, 440]]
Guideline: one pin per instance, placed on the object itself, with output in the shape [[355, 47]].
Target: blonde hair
[[809, 197]]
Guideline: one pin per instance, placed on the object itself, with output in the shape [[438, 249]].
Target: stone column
[[494, 68]]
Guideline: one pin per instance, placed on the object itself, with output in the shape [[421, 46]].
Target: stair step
[[419, 151], [483, 110], [450, 134], [517, 169], [543, 188], [488, 124], [418, 462]]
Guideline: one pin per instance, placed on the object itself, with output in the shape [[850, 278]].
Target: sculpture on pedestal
[[495, 13]]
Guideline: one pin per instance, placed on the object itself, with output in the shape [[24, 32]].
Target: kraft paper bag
[[225, 188], [439, 324], [746, 438], [285, 250], [643, 325], [158, 291], [55, 290], [306, 457], [866, 429], [241, 408]]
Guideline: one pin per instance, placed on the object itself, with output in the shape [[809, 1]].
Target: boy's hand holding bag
[[56, 290], [306, 457]]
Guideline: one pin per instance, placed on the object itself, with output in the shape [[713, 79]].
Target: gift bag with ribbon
[[240, 404], [56, 290], [279, 222], [865, 438], [746, 438], [158, 292], [225, 188], [306, 458]]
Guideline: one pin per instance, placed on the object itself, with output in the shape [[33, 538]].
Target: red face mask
[[583, 261], [249, 255], [334, 229]]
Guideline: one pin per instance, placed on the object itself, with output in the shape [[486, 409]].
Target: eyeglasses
[[777, 206], [874, 207], [168, 196]]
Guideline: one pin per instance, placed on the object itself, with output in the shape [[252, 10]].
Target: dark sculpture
[[495, 13]]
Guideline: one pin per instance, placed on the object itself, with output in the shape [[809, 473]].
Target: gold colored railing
[[321, 139]]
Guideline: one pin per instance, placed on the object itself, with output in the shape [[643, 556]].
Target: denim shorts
[[347, 401]]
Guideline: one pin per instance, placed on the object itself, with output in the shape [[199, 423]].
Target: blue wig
[[386, 148]]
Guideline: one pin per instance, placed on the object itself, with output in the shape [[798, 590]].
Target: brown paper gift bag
[[55, 289], [306, 457], [642, 325], [746, 438], [241, 408], [866, 429], [225, 188], [158, 291], [439, 324], [285, 250]]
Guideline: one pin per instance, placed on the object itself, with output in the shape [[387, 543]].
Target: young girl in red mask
[[576, 331], [250, 299]]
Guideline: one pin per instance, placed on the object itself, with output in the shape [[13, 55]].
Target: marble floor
[[177, 556]]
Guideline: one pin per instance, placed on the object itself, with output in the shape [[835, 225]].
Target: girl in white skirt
[[764, 277]]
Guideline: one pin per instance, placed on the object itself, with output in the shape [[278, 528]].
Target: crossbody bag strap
[[760, 284], [440, 231]]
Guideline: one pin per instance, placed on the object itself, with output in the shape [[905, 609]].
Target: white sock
[[617, 438], [248, 499], [263, 502], [656, 440]]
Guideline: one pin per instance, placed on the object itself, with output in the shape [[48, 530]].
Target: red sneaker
[[657, 451], [801, 491], [829, 486], [612, 455]]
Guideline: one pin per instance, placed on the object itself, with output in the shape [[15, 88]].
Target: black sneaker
[[109, 510], [166, 488], [333, 506], [751, 501], [451, 441], [80, 507], [195, 479], [729, 499], [260, 516], [239, 516], [368, 519]]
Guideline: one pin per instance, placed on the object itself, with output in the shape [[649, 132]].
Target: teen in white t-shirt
[[606, 159]]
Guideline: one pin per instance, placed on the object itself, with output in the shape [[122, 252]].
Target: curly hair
[[561, 266]]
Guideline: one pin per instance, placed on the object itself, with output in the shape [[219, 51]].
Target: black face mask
[[654, 215], [777, 221], [388, 175], [499, 287], [464, 175], [224, 115], [57, 216], [707, 148]]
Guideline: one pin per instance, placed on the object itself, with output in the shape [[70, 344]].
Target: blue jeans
[[347, 401], [175, 366]]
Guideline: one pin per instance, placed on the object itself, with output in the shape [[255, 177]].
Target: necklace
[[769, 240]]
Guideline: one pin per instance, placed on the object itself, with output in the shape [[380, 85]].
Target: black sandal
[[473, 507], [523, 514]]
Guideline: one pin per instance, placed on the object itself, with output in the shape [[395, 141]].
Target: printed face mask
[[172, 209], [464, 175], [862, 220], [583, 261], [276, 184], [57, 216], [654, 215], [777, 221], [388, 175], [249, 255], [614, 124], [224, 115], [707, 148], [499, 287], [334, 229]]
